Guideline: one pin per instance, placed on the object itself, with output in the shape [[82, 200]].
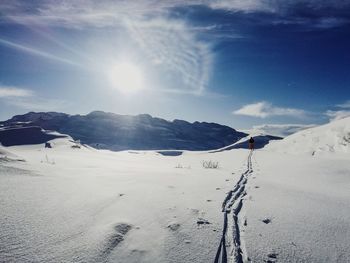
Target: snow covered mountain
[[333, 137], [26, 136], [120, 132]]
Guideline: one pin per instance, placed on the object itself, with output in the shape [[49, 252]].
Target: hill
[[333, 137]]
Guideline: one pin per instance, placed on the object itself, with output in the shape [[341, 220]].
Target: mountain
[[333, 137], [25, 136], [123, 132]]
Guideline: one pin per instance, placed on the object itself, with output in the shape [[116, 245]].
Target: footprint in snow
[[272, 255], [202, 221], [120, 230], [272, 258], [174, 226]]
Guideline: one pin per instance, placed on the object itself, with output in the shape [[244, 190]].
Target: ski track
[[230, 244]]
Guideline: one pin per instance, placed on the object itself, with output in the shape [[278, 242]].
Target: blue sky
[[240, 63]]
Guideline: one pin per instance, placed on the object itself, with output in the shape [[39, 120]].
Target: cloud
[[174, 48], [342, 112], [34, 51], [27, 99], [7, 91], [345, 105], [79, 13], [244, 6], [337, 115], [281, 130], [37, 104], [265, 109]]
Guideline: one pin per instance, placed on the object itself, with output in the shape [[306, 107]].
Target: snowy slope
[[333, 137], [297, 209], [84, 205]]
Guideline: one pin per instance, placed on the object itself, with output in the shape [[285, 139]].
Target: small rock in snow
[[187, 241], [266, 221]]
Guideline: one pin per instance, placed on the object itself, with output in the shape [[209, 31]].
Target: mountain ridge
[[113, 131]]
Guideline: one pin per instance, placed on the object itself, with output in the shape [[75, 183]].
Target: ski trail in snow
[[230, 249]]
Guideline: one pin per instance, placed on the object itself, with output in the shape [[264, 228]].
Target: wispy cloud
[[37, 103], [78, 13], [34, 51], [171, 46], [337, 115], [27, 99], [281, 130], [342, 111], [8, 91], [245, 6], [265, 109], [345, 105]]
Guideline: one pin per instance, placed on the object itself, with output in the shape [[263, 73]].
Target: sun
[[126, 77]]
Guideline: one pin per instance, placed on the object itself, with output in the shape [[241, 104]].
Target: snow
[[333, 137], [64, 204], [288, 202], [307, 200]]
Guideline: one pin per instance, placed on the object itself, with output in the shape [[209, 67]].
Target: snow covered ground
[[77, 205], [304, 201], [288, 202]]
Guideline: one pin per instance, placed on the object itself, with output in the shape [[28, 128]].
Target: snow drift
[[333, 137]]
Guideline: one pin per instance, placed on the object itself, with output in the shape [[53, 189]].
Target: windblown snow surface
[[288, 202]]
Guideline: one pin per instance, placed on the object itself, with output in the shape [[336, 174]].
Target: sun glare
[[126, 77]]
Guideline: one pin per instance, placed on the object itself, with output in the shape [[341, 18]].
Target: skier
[[251, 143]]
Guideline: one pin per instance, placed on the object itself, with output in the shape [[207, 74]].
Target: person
[[251, 143]]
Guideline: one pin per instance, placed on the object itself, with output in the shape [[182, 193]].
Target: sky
[[252, 63]]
